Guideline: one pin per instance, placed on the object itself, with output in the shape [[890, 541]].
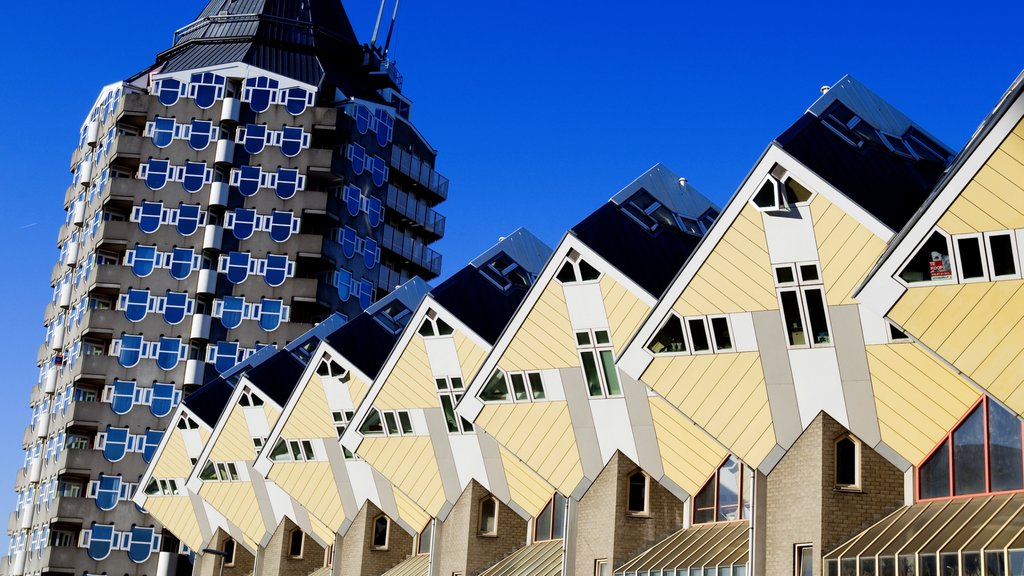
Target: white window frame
[[596, 350], [686, 341], [952, 257], [958, 261], [988, 255], [889, 327], [647, 494], [858, 452], [302, 545], [775, 276], [387, 533], [780, 195], [480, 517], [801, 287], [689, 335], [714, 340]]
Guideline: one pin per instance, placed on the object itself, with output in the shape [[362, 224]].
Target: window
[[296, 541], [985, 451], [450, 391], [969, 257], [727, 494], [550, 523], [576, 269], [669, 338], [434, 326], [802, 302], [488, 524], [931, 263], [1002, 255], [845, 123], [504, 272], [423, 539], [697, 330], [847, 452], [770, 195], [496, 388], [697, 335], [381, 531], [526, 387], [895, 334], [647, 211], [638, 494], [228, 548], [602, 567], [803, 560], [924, 147], [598, 361], [293, 451], [387, 422], [394, 316]]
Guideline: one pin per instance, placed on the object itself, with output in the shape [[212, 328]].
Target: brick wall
[[357, 556], [209, 564], [277, 558]]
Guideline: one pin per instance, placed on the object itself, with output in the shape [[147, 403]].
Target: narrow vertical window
[[423, 539], [597, 359], [489, 516], [381, 528], [637, 498], [847, 463], [791, 316], [721, 334], [669, 339], [804, 560], [229, 552], [970, 262], [816, 315], [698, 335], [1002, 255], [296, 542]]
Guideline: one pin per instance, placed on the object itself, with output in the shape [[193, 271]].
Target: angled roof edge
[[670, 189]]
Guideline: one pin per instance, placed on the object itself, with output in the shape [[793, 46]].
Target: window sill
[[638, 514], [487, 534], [848, 489], [378, 548]]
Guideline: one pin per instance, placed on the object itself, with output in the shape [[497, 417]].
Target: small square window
[[784, 275]]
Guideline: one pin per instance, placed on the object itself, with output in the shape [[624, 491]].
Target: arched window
[[489, 516], [638, 497], [229, 552], [296, 543], [982, 454], [381, 531], [727, 494], [847, 463]]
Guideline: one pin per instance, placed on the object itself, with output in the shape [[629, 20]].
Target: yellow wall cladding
[[917, 397], [236, 501], [471, 356], [526, 488], [312, 485], [689, 455], [410, 464], [311, 417], [411, 383], [737, 276], [174, 461], [846, 250], [545, 340], [992, 200], [976, 327], [177, 515], [541, 435], [723, 393], [625, 311], [410, 512], [234, 442], [357, 388]]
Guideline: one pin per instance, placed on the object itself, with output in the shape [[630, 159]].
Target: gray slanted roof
[[537, 559], [412, 566], [713, 545]]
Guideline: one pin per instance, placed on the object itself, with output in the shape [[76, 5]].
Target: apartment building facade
[[262, 175]]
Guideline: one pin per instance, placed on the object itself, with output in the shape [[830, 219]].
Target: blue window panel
[[225, 356], [244, 223], [144, 260], [189, 216], [156, 173], [385, 126], [271, 314], [168, 353], [201, 133], [248, 179], [278, 269], [282, 225], [169, 90], [293, 140], [353, 199], [152, 442], [233, 312], [116, 445], [101, 541], [343, 281], [374, 210], [123, 397], [206, 88], [379, 170], [365, 294], [296, 100], [289, 181], [357, 158], [196, 176], [176, 306], [131, 350], [150, 216], [183, 262], [237, 267], [362, 114], [141, 544], [259, 93], [135, 304], [348, 242], [371, 253], [108, 492], [163, 400], [163, 131], [254, 138]]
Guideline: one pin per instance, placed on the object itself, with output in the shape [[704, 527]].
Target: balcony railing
[[411, 249], [412, 166], [416, 210]]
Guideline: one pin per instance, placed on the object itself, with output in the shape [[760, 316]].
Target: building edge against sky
[[261, 176]]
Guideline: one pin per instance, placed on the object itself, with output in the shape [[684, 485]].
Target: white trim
[[958, 260], [1013, 248]]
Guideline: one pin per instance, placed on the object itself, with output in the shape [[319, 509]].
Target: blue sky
[[541, 110]]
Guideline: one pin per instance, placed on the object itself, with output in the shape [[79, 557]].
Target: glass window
[[149, 215], [423, 540], [168, 90], [278, 269], [164, 399], [229, 552], [142, 542], [242, 223], [698, 335], [372, 425], [805, 561], [196, 175], [169, 353], [816, 315], [183, 262], [236, 266], [177, 305], [847, 463], [189, 218], [378, 170], [288, 182], [296, 99], [726, 495], [115, 446], [769, 196], [384, 126], [1002, 255], [101, 541], [259, 92], [968, 452], [489, 516], [131, 350], [282, 225], [381, 527], [357, 158], [550, 523], [253, 138], [931, 263], [721, 334], [647, 211], [294, 139], [108, 492], [505, 272], [496, 388], [637, 498], [123, 397], [249, 179], [201, 133], [970, 262], [271, 314], [296, 540], [792, 317], [933, 477], [135, 304], [206, 88], [669, 338]]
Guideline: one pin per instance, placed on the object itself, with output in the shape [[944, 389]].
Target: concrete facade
[[358, 556], [463, 549]]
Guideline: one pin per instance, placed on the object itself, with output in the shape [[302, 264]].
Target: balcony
[[60, 559], [78, 461], [310, 245], [412, 250], [93, 368], [415, 212], [420, 172]]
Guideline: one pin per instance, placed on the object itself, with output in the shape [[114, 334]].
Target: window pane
[[704, 503], [699, 335], [969, 455], [392, 422], [995, 562], [380, 532], [611, 375], [808, 273], [930, 263], [519, 386], [536, 385], [424, 540], [720, 328], [295, 546], [729, 490], [567, 273], [488, 516], [669, 338], [449, 413], [1001, 249], [970, 258], [805, 557], [816, 315], [558, 517], [784, 275], [543, 524], [637, 500], [601, 337], [403, 419], [590, 371], [846, 462], [1004, 449], [934, 474], [496, 389], [791, 316], [588, 272]]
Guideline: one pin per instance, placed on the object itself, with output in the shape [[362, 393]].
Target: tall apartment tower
[[261, 175]]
